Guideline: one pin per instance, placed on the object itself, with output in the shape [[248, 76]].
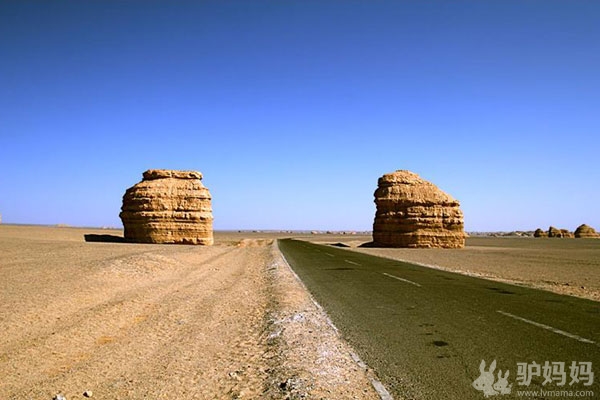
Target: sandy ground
[[230, 321], [566, 266], [128, 321]]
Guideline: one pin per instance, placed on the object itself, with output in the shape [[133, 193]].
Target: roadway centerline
[[330, 255], [402, 279], [547, 327], [351, 262]]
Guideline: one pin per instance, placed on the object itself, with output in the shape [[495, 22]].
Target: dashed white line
[[351, 262], [330, 255], [402, 279], [548, 328]]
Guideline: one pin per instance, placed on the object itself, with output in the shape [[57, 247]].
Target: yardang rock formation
[[168, 207], [586, 231], [539, 232], [412, 212]]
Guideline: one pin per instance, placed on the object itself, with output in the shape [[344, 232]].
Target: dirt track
[[148, 321]]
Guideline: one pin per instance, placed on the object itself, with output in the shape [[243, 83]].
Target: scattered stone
[[412, 212], [291, 384], [235, 376], [168, 207], [586, 231], [59, 397], [87, 393]]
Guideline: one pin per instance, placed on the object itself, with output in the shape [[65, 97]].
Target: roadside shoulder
[[313, 360]]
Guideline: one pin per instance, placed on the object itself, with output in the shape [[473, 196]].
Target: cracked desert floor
[[130, 321]]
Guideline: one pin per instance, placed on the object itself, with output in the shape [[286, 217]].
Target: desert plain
[[135, 321], [229, 321]]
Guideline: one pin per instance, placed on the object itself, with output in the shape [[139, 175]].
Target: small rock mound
[[412, 212], [168, 207], [586, 231]]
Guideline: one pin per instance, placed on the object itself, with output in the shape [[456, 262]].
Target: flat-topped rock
[[168, 207], [169, 173], [412, 212]]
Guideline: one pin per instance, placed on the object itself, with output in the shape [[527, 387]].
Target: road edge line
[[376, 383]]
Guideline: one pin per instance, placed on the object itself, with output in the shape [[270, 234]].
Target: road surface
[[426, 331]]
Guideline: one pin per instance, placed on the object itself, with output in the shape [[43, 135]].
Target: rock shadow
[[370, 244], [91, 237]]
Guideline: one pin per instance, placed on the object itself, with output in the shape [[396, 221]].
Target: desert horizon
[[299, 200]]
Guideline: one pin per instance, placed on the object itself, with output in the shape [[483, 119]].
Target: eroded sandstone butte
[[554, 232], [412, 212], [168, 206], [586, 231]]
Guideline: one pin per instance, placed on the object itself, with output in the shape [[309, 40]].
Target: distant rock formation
[[168, 207], [539, 232], [554, 232], [586, 231], [412, 212], [559, 233], [567, 233]]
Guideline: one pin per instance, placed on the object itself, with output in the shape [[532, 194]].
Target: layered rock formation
[[168, 207], [412, 212], [586, 231], [559, 233], [539, 232]]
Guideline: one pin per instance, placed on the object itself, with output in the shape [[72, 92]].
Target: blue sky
[[293, 109]]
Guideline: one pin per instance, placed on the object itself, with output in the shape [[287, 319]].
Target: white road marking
[[381, 390], [330, 255], [402, 279], [547, 327], [377, 385], [357, 360], [351, 262]]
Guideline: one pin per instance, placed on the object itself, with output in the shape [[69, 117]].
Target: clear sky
[[293, 109]]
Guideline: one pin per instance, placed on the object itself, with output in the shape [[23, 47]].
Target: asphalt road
[[425, 331]]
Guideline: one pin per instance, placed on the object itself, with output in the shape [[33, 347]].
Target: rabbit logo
[[501, 385], [485, 382]]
